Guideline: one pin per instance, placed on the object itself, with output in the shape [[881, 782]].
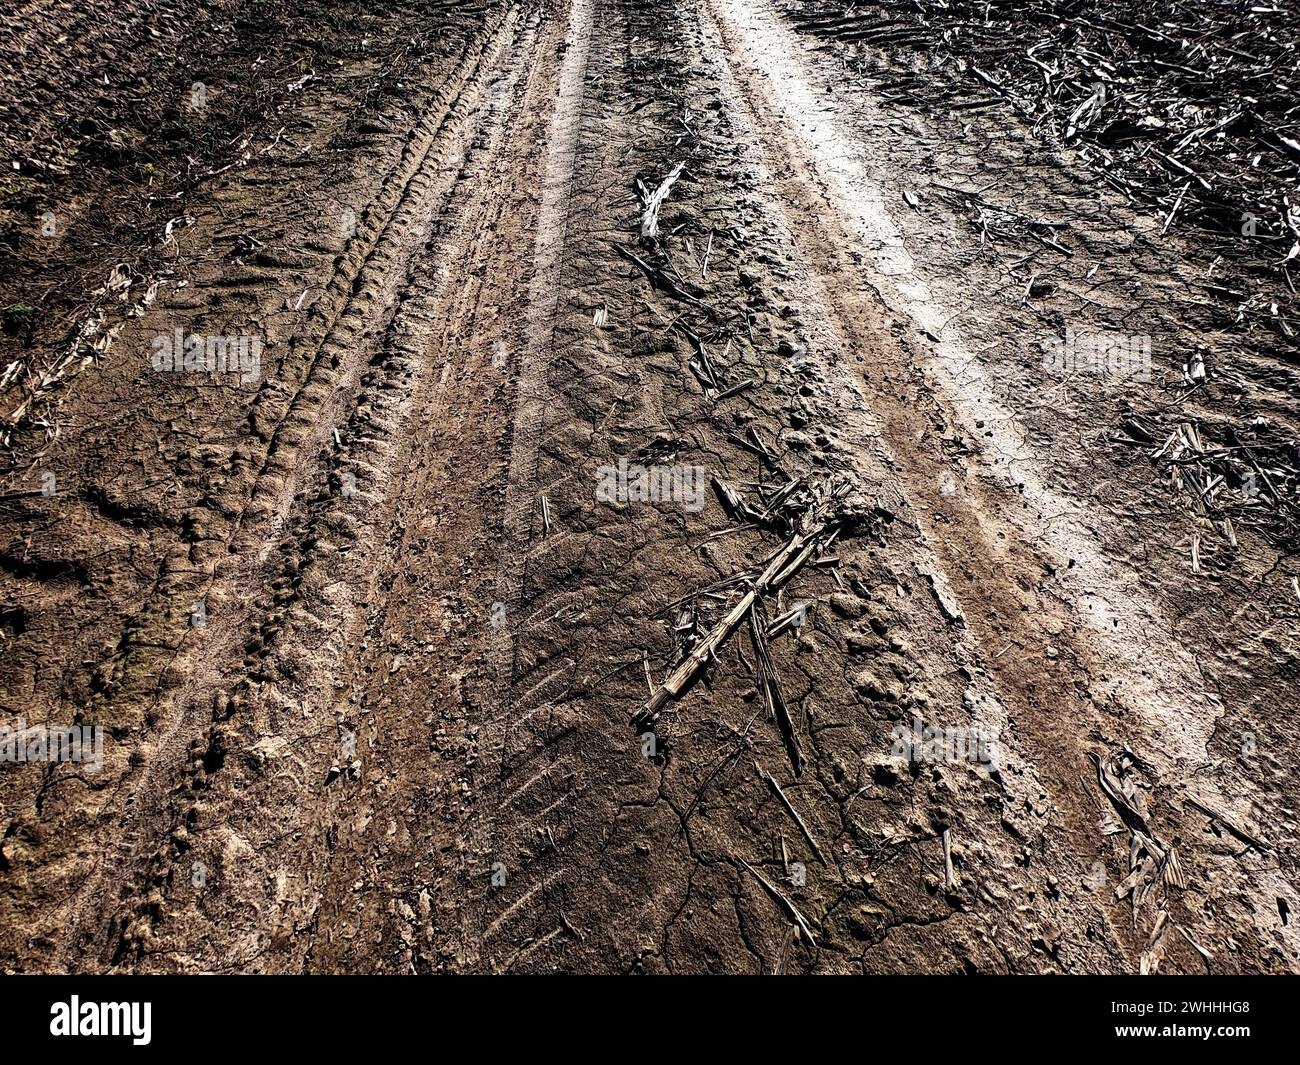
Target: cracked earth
[[387, 683]]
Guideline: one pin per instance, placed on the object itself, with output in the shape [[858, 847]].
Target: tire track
[[1029, 578], [492, 841], [336, 402]]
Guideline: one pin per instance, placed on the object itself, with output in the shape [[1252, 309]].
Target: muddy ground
[[377, 633]]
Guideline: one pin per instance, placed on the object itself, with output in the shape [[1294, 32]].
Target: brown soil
[[370, 648]]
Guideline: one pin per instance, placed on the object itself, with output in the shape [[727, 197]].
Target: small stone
[[847, 606]]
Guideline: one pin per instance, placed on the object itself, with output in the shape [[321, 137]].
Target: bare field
[[725, 486]]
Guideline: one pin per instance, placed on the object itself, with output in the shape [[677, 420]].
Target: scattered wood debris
[[825, 511], [768, 683], [1222, 822], [653, 201], [1226, 475], [1194, 111], [776, 790], [1152, 863], [785, 903]]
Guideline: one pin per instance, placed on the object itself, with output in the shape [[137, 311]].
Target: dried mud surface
[[372, 652]]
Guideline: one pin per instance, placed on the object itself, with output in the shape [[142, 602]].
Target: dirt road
[[374, 621]]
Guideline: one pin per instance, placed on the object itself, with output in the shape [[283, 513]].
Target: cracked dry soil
[[375, 656]]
